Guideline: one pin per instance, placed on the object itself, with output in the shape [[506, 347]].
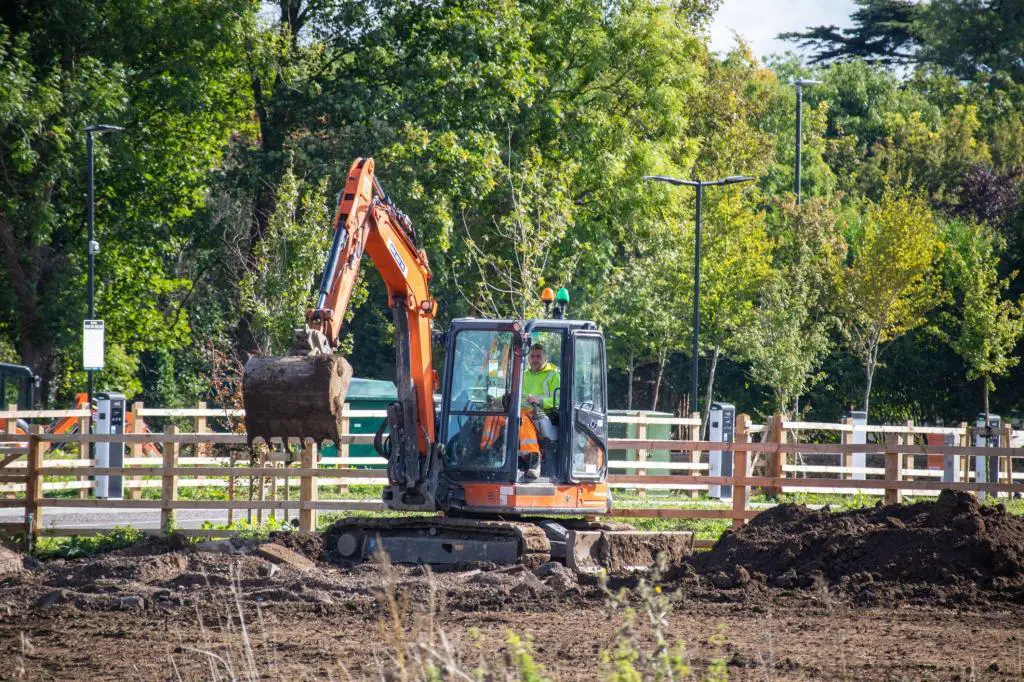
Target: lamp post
[[94, 246], [700, 185], [800, 83]]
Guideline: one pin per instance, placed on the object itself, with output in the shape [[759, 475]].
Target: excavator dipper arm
[[366, 222]]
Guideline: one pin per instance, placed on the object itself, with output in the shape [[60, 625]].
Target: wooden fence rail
[[205, 459]]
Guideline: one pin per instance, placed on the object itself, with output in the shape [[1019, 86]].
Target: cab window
[[481, 386], [542, 370]]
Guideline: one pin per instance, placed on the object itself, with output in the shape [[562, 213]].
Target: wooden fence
[[200, 458]]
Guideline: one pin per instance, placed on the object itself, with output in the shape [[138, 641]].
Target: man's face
[[537, 358]]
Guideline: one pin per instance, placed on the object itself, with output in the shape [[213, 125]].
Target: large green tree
[[69, 64]]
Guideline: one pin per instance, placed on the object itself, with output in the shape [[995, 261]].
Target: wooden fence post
[[775, 459], [11, 425], [202, 449], [33, 487], [740, 492], [846, 438], [169, 492], [695, 434], [231, 487], [908, 439], [1005, 441], [136, 449], [343, 448], [641, 453], [892, 467], [308, 489], [965, 462]]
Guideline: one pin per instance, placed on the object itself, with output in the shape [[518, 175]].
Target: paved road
[[143, 519], [149, 519]]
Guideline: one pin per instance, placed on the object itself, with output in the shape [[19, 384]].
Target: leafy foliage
[[515, 135], [990, 327], [891, 282]]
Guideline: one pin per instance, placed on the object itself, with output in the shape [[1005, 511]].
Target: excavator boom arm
[[303, 395], [366, 222]]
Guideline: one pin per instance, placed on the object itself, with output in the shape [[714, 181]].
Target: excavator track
[[584, 546], [438, 540]]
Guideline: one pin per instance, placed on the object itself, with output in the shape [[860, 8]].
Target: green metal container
[[630, 430], [365, 394]]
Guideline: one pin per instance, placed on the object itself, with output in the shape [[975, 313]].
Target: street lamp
[[94, 246], [700, 185], [800, 83]]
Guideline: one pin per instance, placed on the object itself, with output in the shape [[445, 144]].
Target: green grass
[[75, 547]]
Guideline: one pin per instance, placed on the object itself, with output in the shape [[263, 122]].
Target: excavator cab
[[483, 406]]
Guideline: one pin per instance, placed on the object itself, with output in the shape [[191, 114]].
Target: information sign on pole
[[92, 345]]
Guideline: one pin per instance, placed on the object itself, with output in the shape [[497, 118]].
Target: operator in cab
[[540, 380]]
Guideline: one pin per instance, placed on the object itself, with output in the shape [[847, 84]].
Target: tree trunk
[[662, 358], [710, 390], [984, 383], [629, 389], [869, 370], [271, 113]]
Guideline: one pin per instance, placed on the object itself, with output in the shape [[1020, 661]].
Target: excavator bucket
[[618, 551], [296, 396]]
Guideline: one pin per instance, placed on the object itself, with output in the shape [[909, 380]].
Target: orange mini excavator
[[439, 459]]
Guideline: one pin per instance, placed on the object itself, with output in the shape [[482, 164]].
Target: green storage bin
[[629, 430], [365, 394]]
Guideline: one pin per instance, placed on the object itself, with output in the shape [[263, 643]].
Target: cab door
[[588, 437]]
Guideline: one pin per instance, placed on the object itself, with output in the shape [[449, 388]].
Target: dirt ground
[[167, 611]]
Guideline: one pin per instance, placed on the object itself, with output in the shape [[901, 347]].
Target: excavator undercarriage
[[585, 546]]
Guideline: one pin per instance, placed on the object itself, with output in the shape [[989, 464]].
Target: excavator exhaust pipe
[[296, 396]]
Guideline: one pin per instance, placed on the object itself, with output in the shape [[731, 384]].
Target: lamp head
[[670, 180]]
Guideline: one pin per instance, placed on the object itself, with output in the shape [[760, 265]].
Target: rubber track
[[534, 547]]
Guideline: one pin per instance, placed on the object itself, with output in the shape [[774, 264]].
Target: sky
[[759, 21]]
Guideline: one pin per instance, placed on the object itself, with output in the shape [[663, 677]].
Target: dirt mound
[[11, 563], [309, 545], [947, 550]]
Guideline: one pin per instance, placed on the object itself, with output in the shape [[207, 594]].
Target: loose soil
[[946, 552], [926, 591]]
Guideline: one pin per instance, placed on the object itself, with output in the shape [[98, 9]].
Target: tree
[[989, 326], [67, 64], [891, 282], [739, 97], [884, 31], [644, 310], [974, 39], [287, 263], [971, 39], [783, 344], [788, 334]]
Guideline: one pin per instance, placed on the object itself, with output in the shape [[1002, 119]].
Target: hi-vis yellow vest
[[542, 383]]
